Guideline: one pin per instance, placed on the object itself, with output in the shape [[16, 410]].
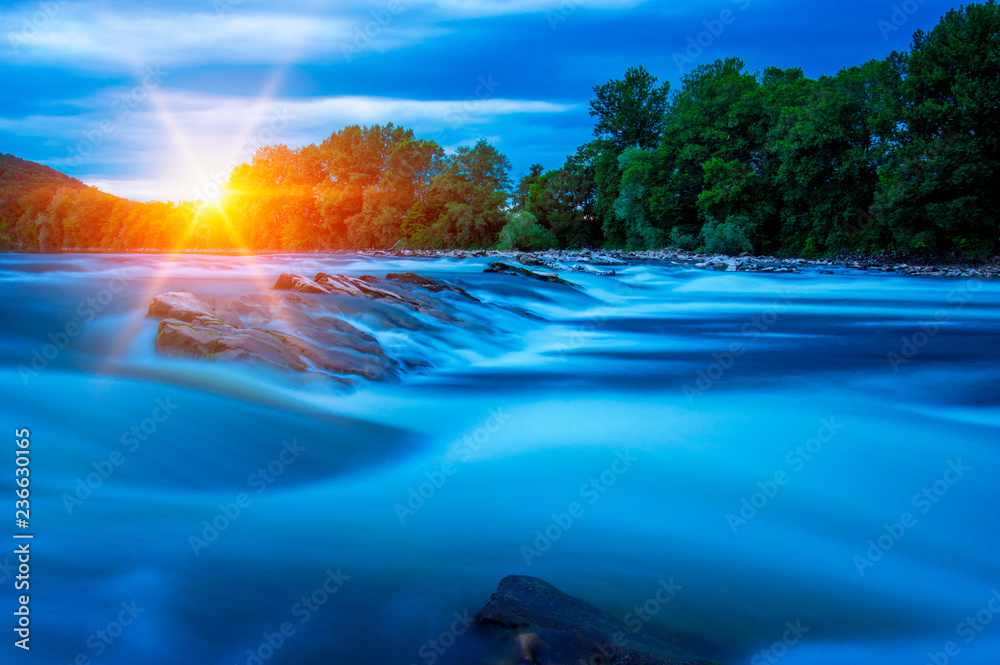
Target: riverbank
[[720, 262], [888, 263], [881, 263]]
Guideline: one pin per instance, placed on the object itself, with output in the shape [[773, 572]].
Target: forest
[[899, 155]]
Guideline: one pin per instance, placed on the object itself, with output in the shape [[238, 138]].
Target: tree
[[940, 190], [523, 232], [710, 160], [732, 236], [348, 163], [563, 201], [406, 181], [829, 149], [629, 114], [522, 193], [470, 195], [271, 201], [632, 205], [630, 111]]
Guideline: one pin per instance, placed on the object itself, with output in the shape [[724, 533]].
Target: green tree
[[828, 150], [732, 236], [940, 191], [632, 206], [406, 181], [346, 165], [564, 199], [629, 114], [710, 160], [523, 232], [469, 197], [630, 111], [523, 191]]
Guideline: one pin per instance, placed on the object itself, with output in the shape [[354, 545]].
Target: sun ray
[[260, 279]]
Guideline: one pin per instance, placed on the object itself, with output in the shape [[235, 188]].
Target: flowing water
[[804, 450]]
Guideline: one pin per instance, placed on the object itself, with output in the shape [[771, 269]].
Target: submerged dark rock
[[427, 283], [361, 287], [538, 623], [225, 342], [508, 269], [414, 278], [397, 289]]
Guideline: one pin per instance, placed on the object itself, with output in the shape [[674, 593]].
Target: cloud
[[81, 36], [136, 189], [489, 8], [95, 37]]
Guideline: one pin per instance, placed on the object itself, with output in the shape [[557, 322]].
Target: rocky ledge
[[326, 323], [537, 623], [239, 329]]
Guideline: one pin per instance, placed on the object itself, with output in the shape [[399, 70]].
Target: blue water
[[617, 422]]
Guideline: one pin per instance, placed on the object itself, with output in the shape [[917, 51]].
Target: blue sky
[[157, 100]]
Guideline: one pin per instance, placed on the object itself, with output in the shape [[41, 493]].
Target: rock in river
[[508, 269], [187, 307], [192, 327], [538, 623], [427, 283], [290, 282], [318, 324]]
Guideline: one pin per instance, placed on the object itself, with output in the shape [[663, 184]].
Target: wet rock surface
[[237, 330], [187, 307], [550, 262], [312, 324], [507, 269], [427, 283], [289, 282], [537, 623]]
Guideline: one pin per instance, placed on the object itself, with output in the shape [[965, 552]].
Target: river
[[808, 451]]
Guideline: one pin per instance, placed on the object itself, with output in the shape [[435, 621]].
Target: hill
[[42, 209], [20, 173]]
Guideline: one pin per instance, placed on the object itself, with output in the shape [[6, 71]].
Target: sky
[[159, 100]]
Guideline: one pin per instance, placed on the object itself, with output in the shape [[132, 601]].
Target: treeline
[[362, 187], [895, 154], [367, 187]]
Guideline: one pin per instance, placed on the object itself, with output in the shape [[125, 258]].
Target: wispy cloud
[[135, 189], [87, 37], [95, 37], [484, 8]]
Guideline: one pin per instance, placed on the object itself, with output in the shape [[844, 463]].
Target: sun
[[213, 199]]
